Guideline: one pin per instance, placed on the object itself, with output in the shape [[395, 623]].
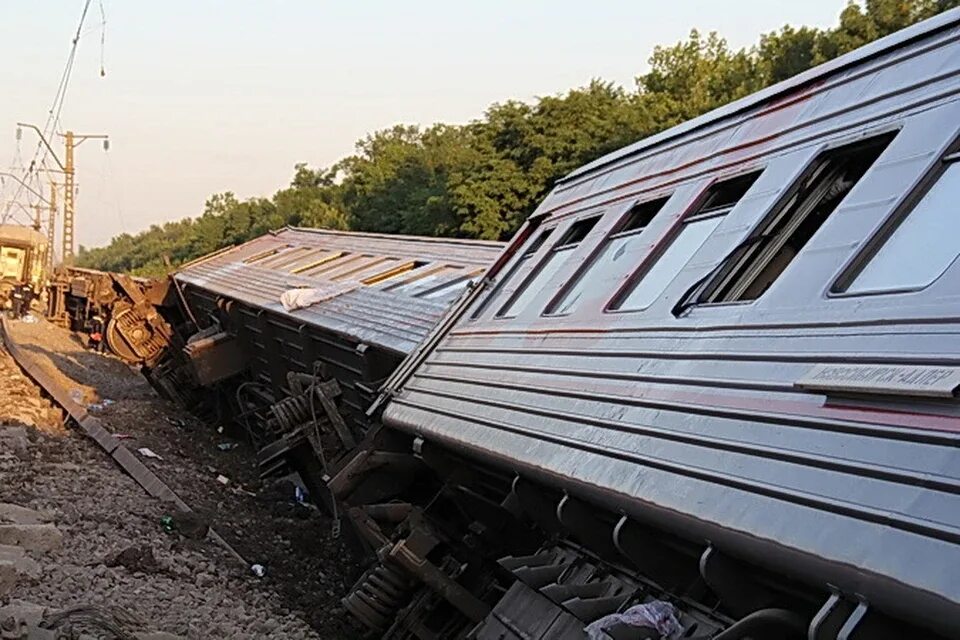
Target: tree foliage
[[482, 179]]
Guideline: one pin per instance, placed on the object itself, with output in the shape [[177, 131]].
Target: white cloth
[[303, 298], [657, 614]]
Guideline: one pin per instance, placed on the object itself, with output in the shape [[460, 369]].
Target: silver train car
[[708, 391], [239, 355]]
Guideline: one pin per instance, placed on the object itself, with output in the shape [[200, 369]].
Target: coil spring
[[290, 412], [377, 597]]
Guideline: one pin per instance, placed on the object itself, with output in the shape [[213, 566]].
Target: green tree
[[482, 179]]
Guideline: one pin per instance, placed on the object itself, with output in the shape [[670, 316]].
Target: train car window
[[261, 255], [414, 284], [757, 262], [399, 270], [448, 291], [314, 263], [522, 263], [717, 202], [536, 244], [373, 266], [613, 260], [332, 265], [557, 257], [922, 244], [283, 257]]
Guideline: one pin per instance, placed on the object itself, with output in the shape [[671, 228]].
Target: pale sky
[[204, 96]]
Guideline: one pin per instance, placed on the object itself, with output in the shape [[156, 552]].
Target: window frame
[[531, 245], [878, 237], [616, 232], [560, 245], [463, 281], [692, 214], [819, 160], [695, 296]]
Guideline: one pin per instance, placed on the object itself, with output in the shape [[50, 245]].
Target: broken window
[[921, 245], [758, 261], [614, 260], [717, 202], [556, 258]]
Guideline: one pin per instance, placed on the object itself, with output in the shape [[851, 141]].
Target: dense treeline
[[482, 179]]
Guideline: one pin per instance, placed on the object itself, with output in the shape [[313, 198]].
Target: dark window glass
[[759, 261], [722, 196], [551, 264], [577, 232], [613, 261], [717, 202], [537, 243]]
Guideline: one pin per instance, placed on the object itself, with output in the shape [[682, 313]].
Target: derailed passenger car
[[716, 369], [303, 372]]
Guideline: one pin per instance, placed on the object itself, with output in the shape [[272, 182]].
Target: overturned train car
[[290, 335], [127, 311], [708, 391]]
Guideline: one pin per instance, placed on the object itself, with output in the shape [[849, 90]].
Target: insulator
[[379, 594]]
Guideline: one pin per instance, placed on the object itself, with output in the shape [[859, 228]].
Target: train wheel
[[131, 337]]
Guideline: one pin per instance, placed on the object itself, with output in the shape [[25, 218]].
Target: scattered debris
[[112, 620], [227, 446], [148, 453], [135, 558], [258, 570], [658, 616], [100, 406], [224, 480], [191, 525]]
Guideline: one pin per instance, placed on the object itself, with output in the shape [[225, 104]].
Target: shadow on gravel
[[108, 376]]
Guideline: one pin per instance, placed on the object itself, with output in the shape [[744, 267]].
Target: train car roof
[[792, 85], [387, 290], [20, 233]]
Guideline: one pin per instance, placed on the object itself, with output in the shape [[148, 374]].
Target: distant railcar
[[23, 261], [241, 356], [717, 370], [126, 309]]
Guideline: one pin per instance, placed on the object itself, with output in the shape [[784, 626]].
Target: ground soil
[[116, 550]]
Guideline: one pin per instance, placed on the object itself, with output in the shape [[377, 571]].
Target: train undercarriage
[[462, 548]]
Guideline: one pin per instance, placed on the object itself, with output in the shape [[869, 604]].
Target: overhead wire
[[56, 108]]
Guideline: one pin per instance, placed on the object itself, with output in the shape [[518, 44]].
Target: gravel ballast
[[116, 550]]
